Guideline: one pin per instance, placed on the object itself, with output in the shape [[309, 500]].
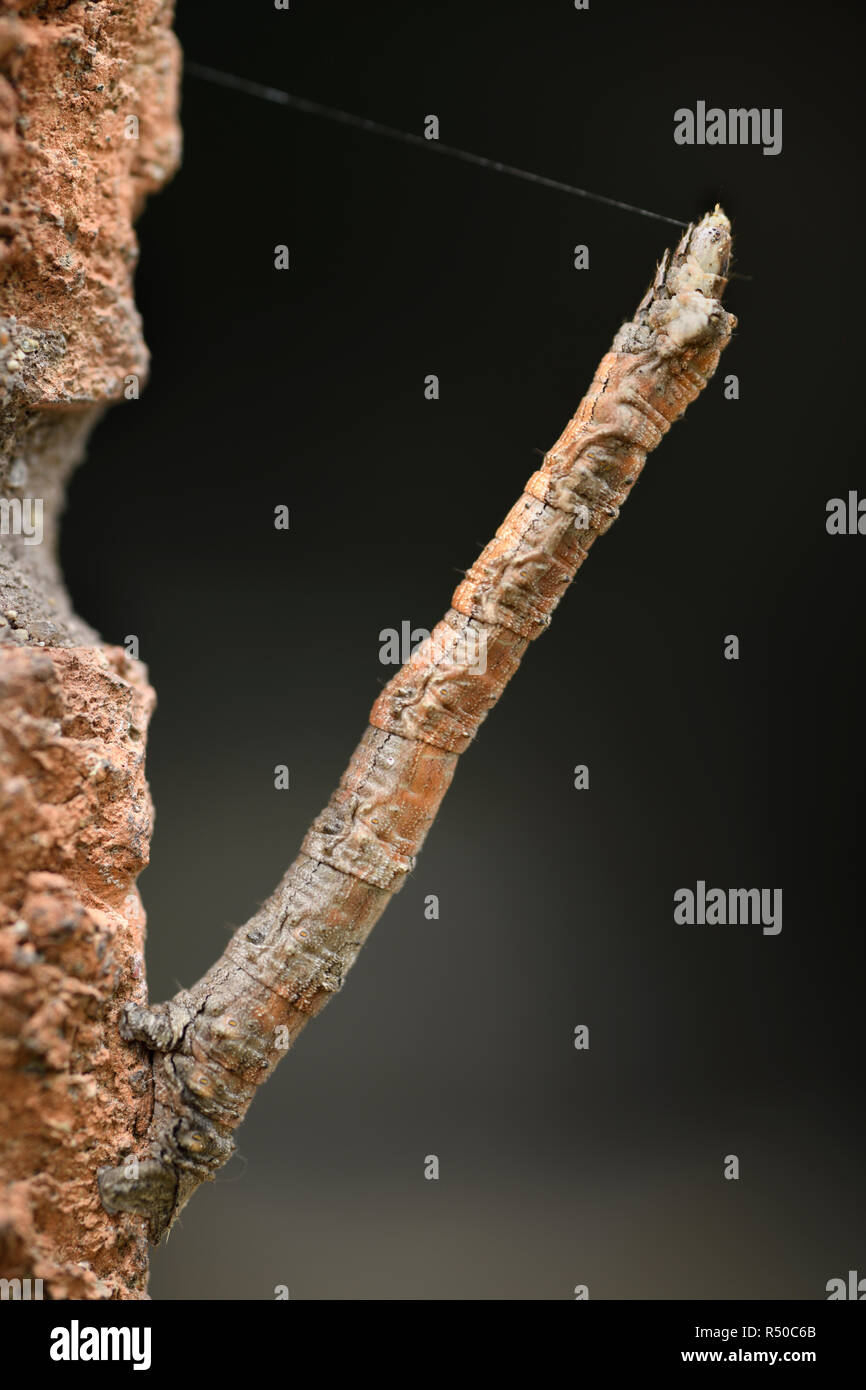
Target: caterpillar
[[214, 1044]]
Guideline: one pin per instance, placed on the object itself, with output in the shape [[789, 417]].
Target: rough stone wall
[[88, 127], [76, 821]]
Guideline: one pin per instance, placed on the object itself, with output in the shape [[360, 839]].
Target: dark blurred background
[[455, 1037]]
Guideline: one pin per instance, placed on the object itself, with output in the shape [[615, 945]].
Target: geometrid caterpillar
[[214, 1044]]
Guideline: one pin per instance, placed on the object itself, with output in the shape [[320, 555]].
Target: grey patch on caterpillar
[[161, 1028], [146, 1187], [183, 1155], [184, 1148]]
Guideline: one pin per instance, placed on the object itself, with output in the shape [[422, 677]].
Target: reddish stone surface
[[75, 823], [88, 128]]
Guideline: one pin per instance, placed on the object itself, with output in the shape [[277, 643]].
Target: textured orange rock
[[216, 1043], [75, 823], [88, 96]]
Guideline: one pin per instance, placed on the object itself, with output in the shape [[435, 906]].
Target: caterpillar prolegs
[[214, 1044]]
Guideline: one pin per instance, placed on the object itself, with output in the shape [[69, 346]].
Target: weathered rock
[[88, 127], [75, 821]]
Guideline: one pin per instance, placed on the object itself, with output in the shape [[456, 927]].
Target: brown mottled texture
[[214, 1044], [75, 823], [88, 98]]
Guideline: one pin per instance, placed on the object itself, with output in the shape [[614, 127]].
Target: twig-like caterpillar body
[[214, 1044]]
